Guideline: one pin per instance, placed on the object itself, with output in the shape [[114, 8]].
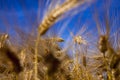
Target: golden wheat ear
[[3, 38], [13, 58], [103, 41], [55, 14]]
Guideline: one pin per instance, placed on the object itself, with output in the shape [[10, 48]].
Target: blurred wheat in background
[[59, 40]]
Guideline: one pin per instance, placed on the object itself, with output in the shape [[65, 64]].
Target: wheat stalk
[[48, 21]]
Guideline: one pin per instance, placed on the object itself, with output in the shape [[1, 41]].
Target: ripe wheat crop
[[37, 55]]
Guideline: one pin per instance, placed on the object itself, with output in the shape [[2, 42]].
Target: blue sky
[[27, 14]]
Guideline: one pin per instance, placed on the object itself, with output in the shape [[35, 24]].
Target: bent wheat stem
[[48, 21]]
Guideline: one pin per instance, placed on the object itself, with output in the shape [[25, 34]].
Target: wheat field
[[48, 51]]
